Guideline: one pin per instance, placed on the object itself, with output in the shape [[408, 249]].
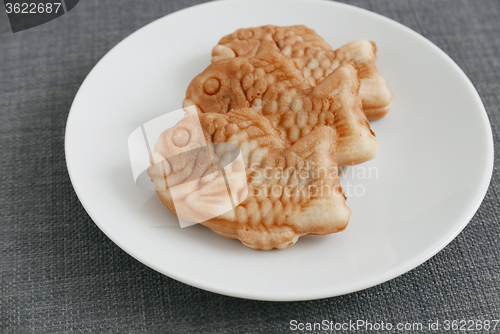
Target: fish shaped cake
[[271, 84], [315, 58], [290, 191]]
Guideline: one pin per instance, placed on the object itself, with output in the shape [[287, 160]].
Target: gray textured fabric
[[59, 273]]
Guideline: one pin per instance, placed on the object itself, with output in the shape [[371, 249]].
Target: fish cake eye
[[211, 86], [181, 137]]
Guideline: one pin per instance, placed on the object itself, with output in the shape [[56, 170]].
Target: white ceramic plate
[[427, 181]]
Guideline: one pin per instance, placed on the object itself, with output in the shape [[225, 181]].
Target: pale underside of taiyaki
[[291, 191], [315, 58], [271, 84]]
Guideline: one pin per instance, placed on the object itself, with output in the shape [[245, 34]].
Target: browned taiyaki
[[290, 191], [271, 84], [314, 57]]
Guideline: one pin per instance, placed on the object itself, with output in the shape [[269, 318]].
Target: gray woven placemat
[[59, 273]]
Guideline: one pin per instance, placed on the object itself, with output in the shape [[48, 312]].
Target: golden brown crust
[[314, 57], [291, 191], [271, 84]]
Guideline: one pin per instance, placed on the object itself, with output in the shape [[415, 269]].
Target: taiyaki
[[271, 84], [315, 58], [290, 191]]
